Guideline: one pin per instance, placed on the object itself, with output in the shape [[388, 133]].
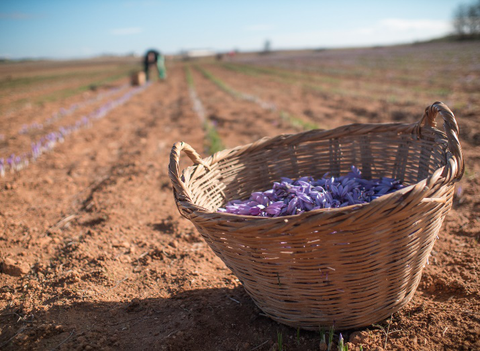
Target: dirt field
[[94, 254]]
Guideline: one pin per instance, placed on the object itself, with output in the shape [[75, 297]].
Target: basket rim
[[204, 212], [317, 134], [451, 172]]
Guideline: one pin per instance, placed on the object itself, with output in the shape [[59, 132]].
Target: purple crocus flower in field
[[50, 140], [11, 160], [290, 197]]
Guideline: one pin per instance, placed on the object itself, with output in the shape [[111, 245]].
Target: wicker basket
[[350, 266]]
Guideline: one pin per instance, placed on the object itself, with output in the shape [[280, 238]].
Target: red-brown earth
[[94, 254]]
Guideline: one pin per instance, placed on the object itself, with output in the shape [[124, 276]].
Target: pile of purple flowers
[[290, 197]]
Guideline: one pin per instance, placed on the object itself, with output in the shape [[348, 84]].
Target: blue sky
[[76, 29]]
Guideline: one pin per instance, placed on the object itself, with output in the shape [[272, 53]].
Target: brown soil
[[95, 255]]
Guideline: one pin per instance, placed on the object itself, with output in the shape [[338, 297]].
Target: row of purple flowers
[[47, 142], [68, 111]]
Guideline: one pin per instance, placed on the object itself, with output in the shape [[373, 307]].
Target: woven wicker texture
[[350, 266]]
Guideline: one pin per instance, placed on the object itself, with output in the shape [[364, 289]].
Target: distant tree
[[466, 20]]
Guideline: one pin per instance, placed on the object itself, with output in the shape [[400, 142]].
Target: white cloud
[[383, 32], [126, 31], [258, 27], [398, 30], [422, 24]]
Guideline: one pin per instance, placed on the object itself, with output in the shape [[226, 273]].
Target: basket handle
[[181, 192], [451, 130]]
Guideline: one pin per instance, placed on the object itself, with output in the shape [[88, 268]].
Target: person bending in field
[[154, 61]]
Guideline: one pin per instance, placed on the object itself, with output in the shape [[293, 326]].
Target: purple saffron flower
[[256, 210], [290, 197], [259, 198], [270, 194], [275, 208], [11, 160], [304, 197], [292, 206]]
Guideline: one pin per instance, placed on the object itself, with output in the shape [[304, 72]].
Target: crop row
[[213, 140], [63, 112], [358, 89], [33, 90], [235, 93], [326, 85], [433, 66], [49, 141], [284, 115]]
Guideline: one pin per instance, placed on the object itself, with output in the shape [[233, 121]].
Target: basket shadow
[[204, 319]]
